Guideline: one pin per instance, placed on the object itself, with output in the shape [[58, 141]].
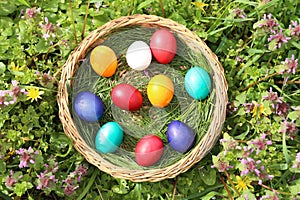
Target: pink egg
[[163, 46]]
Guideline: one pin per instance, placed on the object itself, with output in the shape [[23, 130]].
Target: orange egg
[[160, 90], [103, 61]]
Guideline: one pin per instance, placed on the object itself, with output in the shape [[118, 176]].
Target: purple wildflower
[[269, 197], [297, 161], [279, 38], [295, 29], [10, 180], [81, 171], [250, 166], [26, 156], [45, 180], [272, 96], [221, 165], [239, 13], [8, 97], [69, 189], [248, 107], [281, 108], [290, 129], [46, 79], [261, 143], [248, 150], [291, 64], [31, 13], [48, 29], [268, 22], [71, 182]]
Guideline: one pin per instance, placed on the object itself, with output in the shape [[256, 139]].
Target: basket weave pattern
[[195, 155]]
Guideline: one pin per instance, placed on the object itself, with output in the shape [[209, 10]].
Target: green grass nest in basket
[[205, 117]]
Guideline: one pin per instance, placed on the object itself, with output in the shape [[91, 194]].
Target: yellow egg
[[160, 90], [103, 61]]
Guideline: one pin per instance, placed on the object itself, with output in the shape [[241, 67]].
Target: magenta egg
[[127, 97], [163, 46]]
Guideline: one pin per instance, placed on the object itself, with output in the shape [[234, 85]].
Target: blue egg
[[197, 83], [180, 136], [88, 106], [109, 137]]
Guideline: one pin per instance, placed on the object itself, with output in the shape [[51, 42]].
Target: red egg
[[149, 150], [163, 46], [127, 97]]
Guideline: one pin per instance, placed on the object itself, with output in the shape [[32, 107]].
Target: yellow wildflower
[[242, 183], [200, 5], [258, 110], [34, 94], [14, 67]]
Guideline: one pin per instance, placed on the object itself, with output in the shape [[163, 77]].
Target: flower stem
[[230, 181], [162, 8], [175, 186], [84, 22], [259, 80], [280, 192], [73, 21], [226, 188]]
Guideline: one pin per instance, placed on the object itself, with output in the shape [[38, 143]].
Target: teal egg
[[197, 83], [109, 137]]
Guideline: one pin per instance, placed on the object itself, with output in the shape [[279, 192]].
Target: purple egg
[[88, 106], [180, 136]]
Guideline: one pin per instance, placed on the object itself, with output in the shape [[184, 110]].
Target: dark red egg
[[163, 46], [127, 97], [149, 150]]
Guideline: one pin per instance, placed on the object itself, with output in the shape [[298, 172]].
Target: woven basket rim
[[151, 175]]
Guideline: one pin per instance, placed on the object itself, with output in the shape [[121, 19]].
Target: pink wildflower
[[268, 23], [250, 166], [10, 180], [45, 180], [31, 12], [261, 143], [291, 64], [279, 39], [222, 166], [239, 13], [248, 107], [297, 161], [26, 156], [281, 108], [295, 29], [290, 129], [272, 95], [48, 29], [269, 197]]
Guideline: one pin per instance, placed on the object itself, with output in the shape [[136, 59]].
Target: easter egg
[[127, 97], [103, 61], [160, 90], [149, 150], [180, 136], [163, 46], [109, 137], [197, 83], [88, 106], [138, 55]]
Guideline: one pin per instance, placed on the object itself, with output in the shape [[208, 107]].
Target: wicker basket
[[152, 175]]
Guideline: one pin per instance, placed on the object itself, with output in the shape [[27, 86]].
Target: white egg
[[138, 55]]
